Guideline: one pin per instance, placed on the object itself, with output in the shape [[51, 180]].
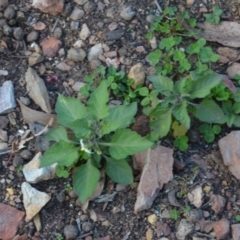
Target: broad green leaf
[[119, 117], [85, 180], [162, 84], [69, 109], [202, 87], [57, 133], [63, 153], [208, 111], [180, 86], [119, 171], [236, 108], [125, 142], [97, 104], [160, 123], [80, 128], [154, 57], [181, 114]]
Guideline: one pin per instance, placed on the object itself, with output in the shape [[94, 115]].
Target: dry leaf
[[141, 126], [172, 197]]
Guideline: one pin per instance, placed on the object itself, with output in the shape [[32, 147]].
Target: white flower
[[83, 148]]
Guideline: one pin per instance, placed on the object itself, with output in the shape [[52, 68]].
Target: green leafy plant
[[174, 214], [221, 93], [214, 17], [19, 168], [186, 209], [93, 136], [181, 143], [237, 218], [232, 110], [209, 131], [60, 237], [68, 187]]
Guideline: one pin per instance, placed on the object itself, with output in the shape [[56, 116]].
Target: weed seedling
[[209, 132], [181, 143], [60, 237], [19, 168], [174, 214], [68, 187], [214, 17]]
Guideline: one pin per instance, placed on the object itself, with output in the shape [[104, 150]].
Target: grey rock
[[85, 32], [3, 4], [9, 13], [72, 194], [26, 154], [20, 16], [7, 99], [3, 122], [61, 196], [125, 61], [7, 30], [33, 200], [76, 55], [77, 14], [120, 187], [70, 231], [17, 161], [122, 51], [32, 36], [34, 174], [94, 64], [37, 90], [80, 2], [137, 73], [113, 35], [87, 226], [74, 25], [194, 215], [34, 59], [18, 33], [89, 7], [25, 100], [41, 144], [95, 52], [127, 13], [3, 22], [57, 33], [77, 85], [184, 228]]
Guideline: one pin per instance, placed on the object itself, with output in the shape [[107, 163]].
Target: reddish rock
[[233, 69], [230, 150], [106, 237], [20, 237], [218, 203], [235, 231], [49, 6], [50, 46], [221, 228], [229, 53], [10, 219], [156, 172], [162, 229]]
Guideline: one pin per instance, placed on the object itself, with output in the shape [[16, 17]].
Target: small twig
[[84, 235], [55, 24], [158, 6]]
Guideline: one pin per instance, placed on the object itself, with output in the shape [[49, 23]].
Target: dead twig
[[158, 6]]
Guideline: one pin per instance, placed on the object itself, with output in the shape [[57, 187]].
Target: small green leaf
[[97, 104], [237, 218], [56, 134], [204, 128], [154, 57], [80, 128], [69, 109], [181, 114], [145, 101], [63, 153], [62, 172], [209, 137], [125, 142], [85, 180], [162, 84], [236, 122], [174, 214], [143, 91], [119, 171], [216, 129]]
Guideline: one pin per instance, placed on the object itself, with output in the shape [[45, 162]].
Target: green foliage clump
[[209, 132], [214, 17]]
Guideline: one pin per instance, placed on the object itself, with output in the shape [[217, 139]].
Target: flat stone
[[156, 172], [49, 6], [10, 219], [113, 35], [34, 174], [235, 231], [195, 196], [184, 229], [95, 52], [85, 32], [77, 14], [7, 98], [230, 150], [34, 59], [76, 55], [137, 73], [221, 228], [218, 203], [127, 13], [37, 90], [229, 53], [33, 200], [50, 46]]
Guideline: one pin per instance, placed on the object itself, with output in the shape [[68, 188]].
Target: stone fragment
[[194, 215], [7, 98], [137, 73], [190, 2], [230, 150], [37, 222], [87, 226], [39, 26], [21, 237], [229, 53], [77, 14], [184, 229], [233, 69], [37, 90], [113, 26], [235, 231], [85, 32], [153, 42], [156, 172], [77, 85], [70, 231], [63, 66], [113, 35], [76, 55], [34, 174], [32, 36], [95, 52], [3, 122], [10, 220], [152, 219], [33, 200], [57, 33], [26, 154], [162, 229], [79, 44], [218, 203], [127, 13], [3, 4], [89, 7], [34, 59], [50, 46], [52, 7], [221, 228], [18, 33], [9, 12], [195, 197], [80, 2]]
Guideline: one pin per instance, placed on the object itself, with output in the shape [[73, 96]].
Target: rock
[[137, 73], [95, 52], [34, 59], [113, 26], [50, 46], [149, 234], [7, 98], [76, 55], [63, 66], [218, 203], [18, 33], [10, 219], [26, 154], [235, 231], [37, 222], [127, 13], [190, 2], [34, 174], [194, 215], [80, 2], [89, 7], [77, 14], [229, 53], [125, 61], [3, 122], [94, 64], [184, 228], [61, 196], [230, 150], [17, 161], [79, 44], [157, 171], [162, 229], [233, 70], [21, 237], [70, 231], [37, 90], [77, 85], [3, 72], [85, 32], [87, 226], [120, 187], [57, 33], [113, 35], [195, 197], [32, 36], [33, 200], [9, 13], [49, 6], [221, 228], [3, 4], [39, 26], [152, 219], [7, 30], [41, 144], [153, 43]]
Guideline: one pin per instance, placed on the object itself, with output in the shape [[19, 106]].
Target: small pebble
[[70, 231], [83, 218], [17, 161], [7, 30], [87, 226], [61, 196], [152, 219], [18, 33], [57, 33], [32, 36], [26, 154], [89, 7], [9, 13]]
